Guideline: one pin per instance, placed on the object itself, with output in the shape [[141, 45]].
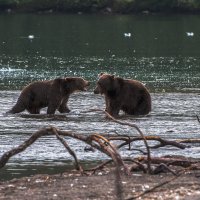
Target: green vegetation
[[89, 6]]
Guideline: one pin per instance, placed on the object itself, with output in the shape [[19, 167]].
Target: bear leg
[[112, 107], [63, 108], [17, 108], [144, 105], [33, 110], [52, 108], [54, 104], [142, 110]]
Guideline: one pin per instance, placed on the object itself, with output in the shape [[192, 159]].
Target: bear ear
[[102, 73], [112, 76], [58, 80], [68, 79]]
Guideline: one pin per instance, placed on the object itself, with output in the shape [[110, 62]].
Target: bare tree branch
[[154, 188], [134, 126], [5, 157], [78, 166], [153, 138]]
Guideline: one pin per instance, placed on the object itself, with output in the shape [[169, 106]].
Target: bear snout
[[87, 83], [96, 90]]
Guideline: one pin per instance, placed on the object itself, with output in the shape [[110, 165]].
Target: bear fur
[[53, 94], [130, 96]]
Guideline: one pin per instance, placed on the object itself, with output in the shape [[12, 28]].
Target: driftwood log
[[104, 144]]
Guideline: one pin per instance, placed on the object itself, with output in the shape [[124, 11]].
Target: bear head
[[108, 85], [72, 84]]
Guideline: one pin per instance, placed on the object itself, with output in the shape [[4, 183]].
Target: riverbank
[[101, 6], [72, 185]]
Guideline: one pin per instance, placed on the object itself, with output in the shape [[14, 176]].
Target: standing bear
[[131, 96], [53, 94]]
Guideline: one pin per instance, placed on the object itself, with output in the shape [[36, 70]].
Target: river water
[[161, 51]]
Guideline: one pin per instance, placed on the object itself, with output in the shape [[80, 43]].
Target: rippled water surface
[[159, 53]]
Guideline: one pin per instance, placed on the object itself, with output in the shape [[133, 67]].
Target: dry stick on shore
[[108, 147], [139, 131], [162, 166], [6, 156], [78, 166], [188, 141], [163, 161], [99, 167], [88, 140], [113, 153], [104, 147], [117, 160], [154, 188], [48, 131], [43, 132], [160, 184], [182, 162], [154, 160], [100, 143], [154, 138]]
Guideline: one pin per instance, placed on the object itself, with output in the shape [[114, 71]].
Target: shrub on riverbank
[[90, 6]]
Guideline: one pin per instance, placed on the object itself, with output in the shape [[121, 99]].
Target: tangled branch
[[103, 143], [138, 130]]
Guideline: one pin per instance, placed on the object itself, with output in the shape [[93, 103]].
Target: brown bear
[[53, 94], [131, 96]]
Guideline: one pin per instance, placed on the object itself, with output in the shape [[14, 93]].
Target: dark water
[[162, 52]]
